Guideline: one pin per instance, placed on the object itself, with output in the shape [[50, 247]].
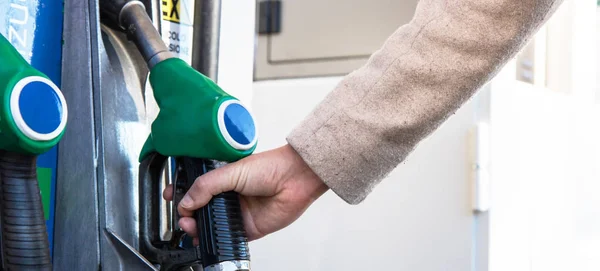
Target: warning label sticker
[[177, 27]]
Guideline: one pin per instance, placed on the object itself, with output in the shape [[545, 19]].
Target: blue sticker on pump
[[40, 107], [240, 124], [236, 125], [34, 28]]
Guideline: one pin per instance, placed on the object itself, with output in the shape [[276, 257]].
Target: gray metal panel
[[104, 81], [333, 37], [123, 131], [76, 242]]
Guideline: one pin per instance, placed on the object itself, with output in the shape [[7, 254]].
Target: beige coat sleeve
[[423, 73]]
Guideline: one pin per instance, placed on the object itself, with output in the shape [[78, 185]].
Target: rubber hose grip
[[24, 239], [221, 230], [220, 224]]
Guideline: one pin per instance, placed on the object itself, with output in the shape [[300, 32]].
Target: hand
[[275, 188]]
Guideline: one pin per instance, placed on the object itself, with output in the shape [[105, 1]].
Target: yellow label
[[171, 10], [177, 27]]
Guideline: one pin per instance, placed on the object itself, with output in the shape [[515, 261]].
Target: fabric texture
[[424, 72]]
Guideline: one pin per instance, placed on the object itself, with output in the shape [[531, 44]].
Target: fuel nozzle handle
[[200, 124], [33, 117], [222, 238]]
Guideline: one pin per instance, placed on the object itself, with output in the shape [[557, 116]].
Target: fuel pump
[[33, 117], [201, 127]]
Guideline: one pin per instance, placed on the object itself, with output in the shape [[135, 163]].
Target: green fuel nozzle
[[196, 118], [33, 117], [33, 111]]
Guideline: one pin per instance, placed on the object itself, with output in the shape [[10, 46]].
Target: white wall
[[546, 155], [571, 49], [417, 219], [597, 54], [236, 48], [546, 163]]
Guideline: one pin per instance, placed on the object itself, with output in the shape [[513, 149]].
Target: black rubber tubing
[[24, 239]]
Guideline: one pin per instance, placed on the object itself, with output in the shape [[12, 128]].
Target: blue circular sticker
[[40, 107], [237, 125]]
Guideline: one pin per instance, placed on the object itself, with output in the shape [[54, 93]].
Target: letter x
[[174, 9]]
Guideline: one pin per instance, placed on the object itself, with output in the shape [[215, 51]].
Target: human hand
[[275, 188]]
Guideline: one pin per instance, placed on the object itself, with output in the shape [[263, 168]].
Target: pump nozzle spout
[[131, 17]]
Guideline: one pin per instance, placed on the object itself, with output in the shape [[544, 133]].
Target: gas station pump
[[145, 111], [201, 126]]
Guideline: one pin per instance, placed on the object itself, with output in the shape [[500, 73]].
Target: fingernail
[[186, 202]]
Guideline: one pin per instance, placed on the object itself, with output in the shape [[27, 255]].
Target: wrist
[[314, 185]]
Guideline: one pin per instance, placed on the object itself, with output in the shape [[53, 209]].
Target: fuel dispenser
[[199, 125], [144, 111]]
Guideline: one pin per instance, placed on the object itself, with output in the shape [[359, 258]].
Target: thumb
[[230, 177]]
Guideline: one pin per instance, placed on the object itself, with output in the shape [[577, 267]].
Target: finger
[[188, 225], [202, 192], [168, 193], [196, 242], [257, 175], [228, 178]]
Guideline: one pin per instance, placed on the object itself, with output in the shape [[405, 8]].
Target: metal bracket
[[269, 17], [479, 159]]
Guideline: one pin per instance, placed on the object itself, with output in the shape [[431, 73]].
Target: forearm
[[423, 73]]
